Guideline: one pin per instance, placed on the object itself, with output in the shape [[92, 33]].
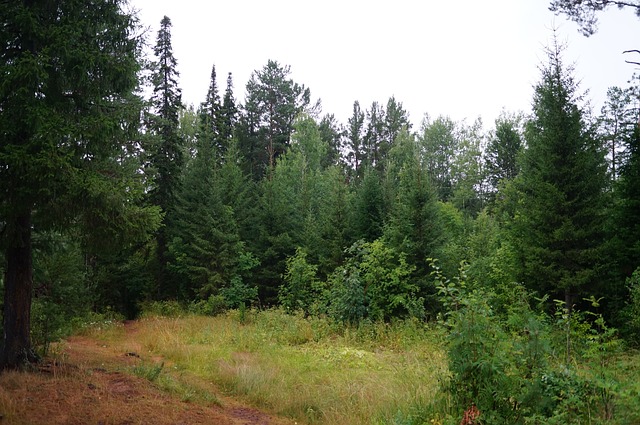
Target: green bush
[[348, 301], [631, 312], [60, 288], [374, 284], [301, 287], [212, 306], [517, 365], [168, 308]]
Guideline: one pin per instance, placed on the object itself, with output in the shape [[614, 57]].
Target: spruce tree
[[205, 244], [69, 119], [628, 215], [331, 133], [374, 135], [501, 157], [413, 227], [209, 120], [368, 213], [167, 154], [228, 116], [355, 141], [558, 224]]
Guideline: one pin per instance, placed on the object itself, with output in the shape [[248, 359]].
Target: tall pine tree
[[355, 141], [68, 114], [273, 101], [167, 155], [501, 156], [228, 116], [558, 225]]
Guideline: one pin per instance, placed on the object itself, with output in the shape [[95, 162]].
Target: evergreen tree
[[617, 125], [355, 141], [413, 227], [331, 133], [273, 101], [628, 216], [279, 226], [502, 153], [335, 231], [69, 119], [368, 211], [228, 115], [167, 155], [210, 120], [239, 193], [374, 136], [395, 119], [205, 246], [558, 225]]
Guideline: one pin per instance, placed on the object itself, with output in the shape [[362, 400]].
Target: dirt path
[[90, 385]]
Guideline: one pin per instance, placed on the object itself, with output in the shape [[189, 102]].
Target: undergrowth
[[525, 366]]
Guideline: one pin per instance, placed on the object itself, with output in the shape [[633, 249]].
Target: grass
[[173, 381], [318, 373], [627, 372], [305, 368]]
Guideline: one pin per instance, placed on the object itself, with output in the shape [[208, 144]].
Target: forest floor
[[90, 381]]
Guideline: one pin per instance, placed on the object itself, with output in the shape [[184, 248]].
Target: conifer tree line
[[110, 200]]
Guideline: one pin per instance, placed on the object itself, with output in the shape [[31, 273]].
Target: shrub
[[522, 366], [631, 312], [150, 372], [374, 284], [212, 306], [60, 288], [168, 308], [301, 287]]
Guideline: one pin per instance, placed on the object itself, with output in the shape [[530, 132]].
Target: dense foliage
[[69, 144], [109, 203]]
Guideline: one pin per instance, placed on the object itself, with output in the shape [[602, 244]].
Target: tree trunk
[[16, 347], [569, 298]]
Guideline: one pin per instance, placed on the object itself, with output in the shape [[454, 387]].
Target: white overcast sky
[[464, 58]]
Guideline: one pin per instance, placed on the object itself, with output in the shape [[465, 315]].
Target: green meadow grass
[[306, 368]]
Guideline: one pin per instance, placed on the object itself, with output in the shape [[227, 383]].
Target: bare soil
[[90, 382]]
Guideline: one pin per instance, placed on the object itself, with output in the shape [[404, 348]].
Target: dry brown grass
[[90, 382]]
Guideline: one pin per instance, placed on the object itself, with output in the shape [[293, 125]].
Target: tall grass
[[307, 368]]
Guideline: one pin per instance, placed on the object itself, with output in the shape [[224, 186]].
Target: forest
[[520, 242]]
